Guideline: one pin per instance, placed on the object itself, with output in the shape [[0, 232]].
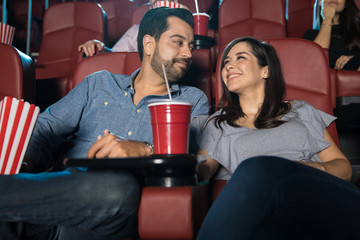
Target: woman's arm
[[324, 35], [208, 168], [333, 160]]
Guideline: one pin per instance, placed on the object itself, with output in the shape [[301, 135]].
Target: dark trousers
[[274, 198]]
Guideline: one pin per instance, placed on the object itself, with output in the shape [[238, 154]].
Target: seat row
[[176, 213]]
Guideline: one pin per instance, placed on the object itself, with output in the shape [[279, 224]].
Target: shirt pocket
[[103, 115]]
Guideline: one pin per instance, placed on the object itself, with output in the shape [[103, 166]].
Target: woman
[[340, 33], [257, 122]]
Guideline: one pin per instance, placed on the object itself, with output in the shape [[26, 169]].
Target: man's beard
[[173, 74]]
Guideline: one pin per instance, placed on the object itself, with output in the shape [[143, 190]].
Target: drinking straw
[[196, 6], [166, 81]]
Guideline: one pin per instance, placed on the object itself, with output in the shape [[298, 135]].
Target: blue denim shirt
[[102, 101]]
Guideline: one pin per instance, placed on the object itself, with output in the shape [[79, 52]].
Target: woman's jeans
[[72, 204], [273, 198]]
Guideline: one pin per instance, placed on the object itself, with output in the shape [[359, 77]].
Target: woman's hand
[[341, 61], [328, 14]]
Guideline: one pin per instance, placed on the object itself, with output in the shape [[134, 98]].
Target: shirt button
[[126, 94], [106, 103], [129, 133], [138, 111]]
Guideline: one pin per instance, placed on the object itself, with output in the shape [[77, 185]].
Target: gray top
[[300, 138]]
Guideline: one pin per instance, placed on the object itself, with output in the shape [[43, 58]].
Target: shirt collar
[[128, 83]]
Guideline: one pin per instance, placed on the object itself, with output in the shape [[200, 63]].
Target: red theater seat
[[261, 19], [139, 12], [65, 27], [306, 76], [300, 17], [347, 87], [17, 74], [118, 17]]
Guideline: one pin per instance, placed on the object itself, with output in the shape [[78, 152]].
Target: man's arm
[[111, 146]]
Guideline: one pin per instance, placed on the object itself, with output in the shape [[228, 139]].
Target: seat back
[[114, 62], [65, 27], [203, 5], [299, 17], [118, 18], [17, 74], [139, 12], [261, 19], [306, 76]]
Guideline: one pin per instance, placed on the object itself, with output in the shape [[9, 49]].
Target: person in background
[[340, 33], [105, 115], [127, 43], [283, 166]]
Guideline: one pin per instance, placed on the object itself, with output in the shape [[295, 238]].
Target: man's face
[[174, 50]]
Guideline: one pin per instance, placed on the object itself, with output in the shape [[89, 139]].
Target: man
[[127, 43], [102, 204]]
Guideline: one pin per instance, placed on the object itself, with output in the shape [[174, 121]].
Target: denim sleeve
[[55, 125], [200, 107]]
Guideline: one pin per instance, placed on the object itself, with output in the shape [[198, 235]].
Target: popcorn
[[6, 33], [17, 121]]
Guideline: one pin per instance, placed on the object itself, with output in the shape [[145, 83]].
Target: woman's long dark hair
[[273, 105], [350, 25]]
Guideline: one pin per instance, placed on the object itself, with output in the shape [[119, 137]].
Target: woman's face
[[241, 71], [339, 5]]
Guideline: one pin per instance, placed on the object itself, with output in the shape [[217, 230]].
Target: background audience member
[[340, 33], [127, 43]]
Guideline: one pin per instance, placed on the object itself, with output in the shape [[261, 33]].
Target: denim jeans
[[274, 198], [71, 204]]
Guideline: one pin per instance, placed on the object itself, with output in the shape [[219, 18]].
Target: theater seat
[[262, 19], [118, 18], [65, 27], [299, 17], [306, 76], [17, 74], [165, 213], [139, 12]]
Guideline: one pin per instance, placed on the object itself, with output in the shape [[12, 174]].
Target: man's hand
[[91, 47], [111, 146]]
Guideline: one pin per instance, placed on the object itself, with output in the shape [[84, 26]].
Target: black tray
[[158, 170]]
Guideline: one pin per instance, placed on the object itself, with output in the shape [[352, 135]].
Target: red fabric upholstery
[[347, 83], [114, 62], [262, 19], [17, 74], [300, 17], [172, 213], [138, 13], [66, 25], [119, 18], [204, 5]]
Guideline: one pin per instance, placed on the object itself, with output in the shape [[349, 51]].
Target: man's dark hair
[[155, 23]]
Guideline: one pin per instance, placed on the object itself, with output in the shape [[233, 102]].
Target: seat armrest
[[172, 213]]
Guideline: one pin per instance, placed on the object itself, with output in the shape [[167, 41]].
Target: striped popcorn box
[[6, 33], [17, 122], [168, 4]]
